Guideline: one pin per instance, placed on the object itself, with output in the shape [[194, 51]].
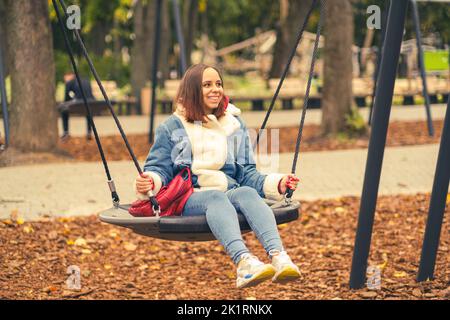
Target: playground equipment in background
[[382, 108], [293, 89], [414, 48], [381, 112], [122, 105], [437, 61], [261, 45], [180, 228]]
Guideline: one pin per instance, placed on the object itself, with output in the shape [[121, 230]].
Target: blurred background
[[249, 41]]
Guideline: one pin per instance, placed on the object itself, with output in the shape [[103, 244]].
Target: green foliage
[[107, 67], [360, 17], [434, 19], [225, 22], [232, 21], [96, 14], [355, 125]]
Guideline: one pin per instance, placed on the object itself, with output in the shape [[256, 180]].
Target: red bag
[[171, 198]]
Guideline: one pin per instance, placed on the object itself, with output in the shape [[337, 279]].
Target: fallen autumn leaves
[[117, 264], [399, 134]]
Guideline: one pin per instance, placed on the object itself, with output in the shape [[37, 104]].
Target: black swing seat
[[192, 228]]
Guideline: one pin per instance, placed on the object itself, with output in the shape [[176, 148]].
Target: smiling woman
[[201, 93], [206, 135], [212, 89]]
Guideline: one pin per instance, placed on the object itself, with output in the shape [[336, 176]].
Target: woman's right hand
[[144, 183]]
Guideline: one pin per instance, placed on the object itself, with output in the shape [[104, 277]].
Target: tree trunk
[[33, 106], [368, 39], [96, 42], [117, 46], [165, 42], [6, 59], [292, 16], [190, 26], [337, 90], [141, 53]]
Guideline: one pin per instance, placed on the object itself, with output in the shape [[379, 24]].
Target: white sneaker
[[286, 270], [251, 271]]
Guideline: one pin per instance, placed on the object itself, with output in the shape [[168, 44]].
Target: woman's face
[[212, 89]]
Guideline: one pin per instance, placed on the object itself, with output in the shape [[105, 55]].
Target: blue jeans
[[221, 209]]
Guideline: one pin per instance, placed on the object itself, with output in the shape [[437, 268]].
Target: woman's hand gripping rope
[[144, 183], [288, 184]]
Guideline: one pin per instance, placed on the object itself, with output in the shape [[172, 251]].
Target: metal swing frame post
[[380, 122], [416, 22], [180, 37], [377, 69], [155, 67], [437, 204], [4, 100]]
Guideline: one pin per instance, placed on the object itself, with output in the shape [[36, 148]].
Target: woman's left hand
[[289, 181]]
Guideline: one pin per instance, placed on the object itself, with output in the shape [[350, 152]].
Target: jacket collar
[[228, 124], [231, 109]]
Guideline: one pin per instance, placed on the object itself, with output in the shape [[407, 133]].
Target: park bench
[[362, 88], [294, 88], [170, 91], [408, 88], [99, 106], [123, 105], [437, 86], [291, 89], [164, 97]]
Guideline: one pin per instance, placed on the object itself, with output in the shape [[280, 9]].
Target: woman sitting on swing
[[206, 134]]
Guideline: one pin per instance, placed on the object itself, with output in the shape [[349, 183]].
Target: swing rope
[[123, 135], [114, 194], [290, 192], [108, 102], [286, 69], [308, 87], [102, 89]]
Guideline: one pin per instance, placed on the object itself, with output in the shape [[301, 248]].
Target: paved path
[[80, 189], [253, 119]]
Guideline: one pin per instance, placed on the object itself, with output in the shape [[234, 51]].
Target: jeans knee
[[216, 199], [216, 196], [247, 193]]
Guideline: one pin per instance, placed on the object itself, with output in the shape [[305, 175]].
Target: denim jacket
[[219, 154]]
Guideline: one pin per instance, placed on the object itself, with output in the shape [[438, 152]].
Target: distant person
[[73, 95]]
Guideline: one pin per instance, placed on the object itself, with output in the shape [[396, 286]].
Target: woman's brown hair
[[190, 95]]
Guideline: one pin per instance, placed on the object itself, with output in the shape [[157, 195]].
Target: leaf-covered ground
[[399, 134], [80, 149], [117, 264]]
